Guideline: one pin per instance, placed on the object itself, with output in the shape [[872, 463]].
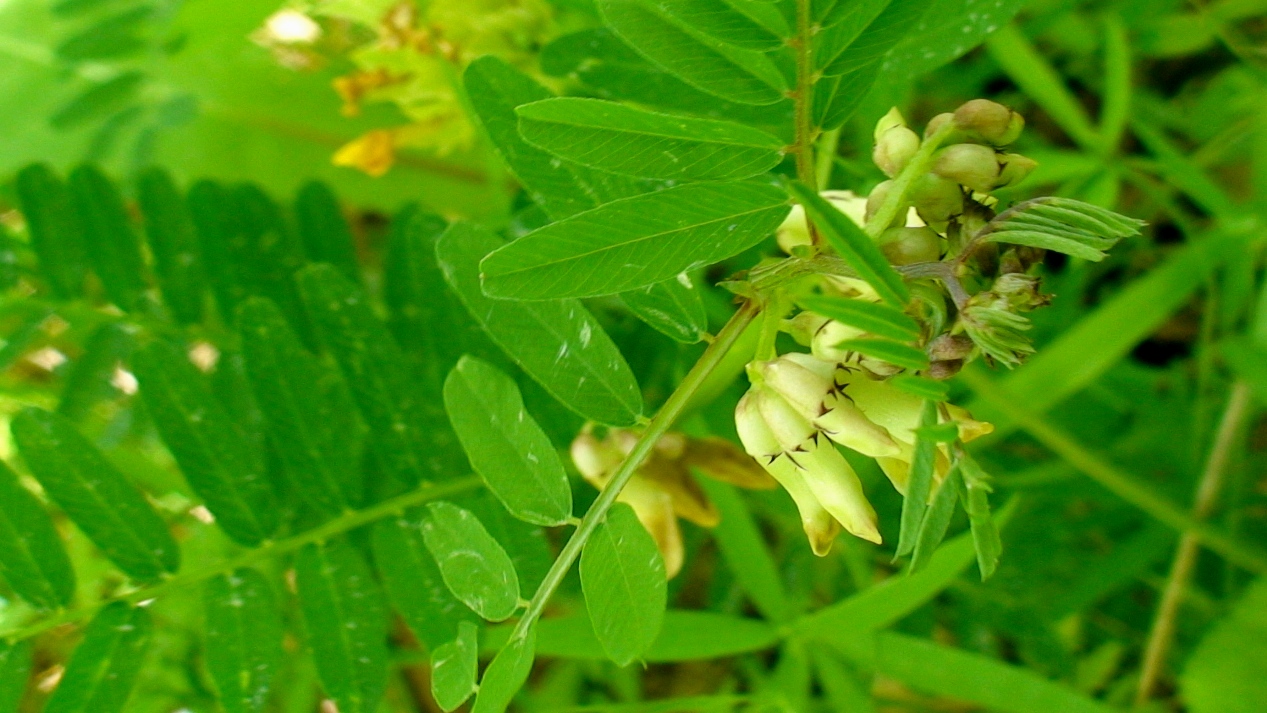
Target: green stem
[[919, 164], [658, 426], [828, 144], [803, 97], [332, 528], [1212, 476]]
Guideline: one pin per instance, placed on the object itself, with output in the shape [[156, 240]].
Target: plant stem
[[803, 99], [344, 523], [658, 426], [1163, 631], [828, 144]]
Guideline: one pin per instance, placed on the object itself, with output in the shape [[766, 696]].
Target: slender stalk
[[828, 144], [1212, 477], [332, 528], [658, 426], [803, 98]]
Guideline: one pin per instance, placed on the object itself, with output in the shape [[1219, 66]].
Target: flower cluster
[[663, 490], [800, 406]]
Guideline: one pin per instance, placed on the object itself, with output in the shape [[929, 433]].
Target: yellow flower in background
[[663, 489], [407, 53]]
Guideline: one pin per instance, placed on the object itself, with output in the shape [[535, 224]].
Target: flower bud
[[891, 120], [937, 122], [820, 526], [894, 149], [876, 199], [904, 246], [991, 121], [802, 380], [879, 368], [1014, 168], [720, 460], [1020, 290], [970, 429], [790, 428], [936, 199], [804, 326], [971, 165], [949, 346], [826, 341], [945, 369], [594, 459], [836, 486], [843, 422], [755, 435]]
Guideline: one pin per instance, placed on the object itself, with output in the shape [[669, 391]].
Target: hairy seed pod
[[991, 121]]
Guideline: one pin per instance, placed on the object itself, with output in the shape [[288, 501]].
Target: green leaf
[[837, 98], [1064, 225], [218, 461], [745, 552], [611, 69], [922, 387], [413, 580], [975, 493], [920, 485], [936, 521], [946, 31], [174, 242], [902, 355], [100, 674], [244, 639], [843, 688], [474, 566], [56, 235], [559, 344], [97, 101], [878, 319], [974, 678], [32, 559], [418, 300], [726, 20], [1227, 673], [15, 668], [635, 242], [95, 495], [615, 137], [91, 376], [267, 252], [673, 308], [454, 668], [622, 576], [728, 72], [294, 392], [882, 34], [112, 243], [346, 621], [855, 246], [211, 209], [405, 437], [324, 231], [505, 445], [842, 24], [495, 89], [112, 36], [506, 674]]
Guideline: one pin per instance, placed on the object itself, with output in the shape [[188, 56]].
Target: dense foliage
[[620, 355]]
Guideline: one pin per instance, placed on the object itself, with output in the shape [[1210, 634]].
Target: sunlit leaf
[[474, 566], [454, 667]]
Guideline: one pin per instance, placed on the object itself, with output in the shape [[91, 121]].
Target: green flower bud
[[790, 428], [949, 346], [936, 199], [1014, 168], [1020, 290], [803, 381], [876, 199], [991, 121], [894, 149], [971, 165], [826, 340], [879, 367], [804, 326], [904, 246], [935, 124], [942, 370], [892, 120]]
